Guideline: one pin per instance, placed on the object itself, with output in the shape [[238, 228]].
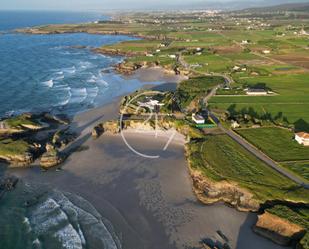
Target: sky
[[86, 5]]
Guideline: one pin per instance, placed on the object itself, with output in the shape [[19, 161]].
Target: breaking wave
[[41, 217]]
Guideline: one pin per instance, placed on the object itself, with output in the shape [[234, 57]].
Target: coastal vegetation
[[220, 158], [280, 145], [196, 88]]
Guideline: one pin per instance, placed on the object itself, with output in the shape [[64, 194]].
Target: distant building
[[303, 32], [235, 124], [266, 51], [256, 92], [302, 138], [198, 119], [236, 68], [151, 104], [172, 56], [244, 42]]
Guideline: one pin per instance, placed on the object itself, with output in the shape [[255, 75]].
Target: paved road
[[249, 147]]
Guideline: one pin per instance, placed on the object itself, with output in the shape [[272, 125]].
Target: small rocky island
[[28, 137]]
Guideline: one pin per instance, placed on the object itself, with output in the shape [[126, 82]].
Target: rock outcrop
[[18, 160], [279, 230], [7, 184], [62, 138], [111, 127], [52, 157], [210, 192]]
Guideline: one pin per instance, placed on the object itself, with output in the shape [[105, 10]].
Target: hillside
[[299, 7]]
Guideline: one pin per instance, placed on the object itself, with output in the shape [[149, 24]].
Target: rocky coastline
[[29, 136]]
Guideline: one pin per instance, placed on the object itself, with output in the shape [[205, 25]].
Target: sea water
[[54, 73], [59, 72]]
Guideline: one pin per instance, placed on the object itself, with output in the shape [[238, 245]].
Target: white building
[[244, 42], [302, 138], [266, 51], [172, 56], [235, 125], [236, 68], [198, 119], [256, 92], [303, 32], [151, 104]]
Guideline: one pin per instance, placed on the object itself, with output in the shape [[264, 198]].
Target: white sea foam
[[92, 79], [69, 237], [60, 77], [85, 65], [78, 95], [27, 223], [48, 83], [70, 70], [60, 218], [36, 243]]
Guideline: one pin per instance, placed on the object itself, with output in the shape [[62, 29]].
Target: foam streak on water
[[40, 73]]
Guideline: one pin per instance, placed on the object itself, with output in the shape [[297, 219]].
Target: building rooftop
[[303, 135], [256, 90]]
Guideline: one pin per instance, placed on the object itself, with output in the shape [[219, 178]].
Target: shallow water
[[35, 216]]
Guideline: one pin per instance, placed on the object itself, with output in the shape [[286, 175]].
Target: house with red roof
[[302, 138]]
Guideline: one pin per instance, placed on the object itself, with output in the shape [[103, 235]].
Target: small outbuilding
[[198, 119], [256, 92], [302, 138]]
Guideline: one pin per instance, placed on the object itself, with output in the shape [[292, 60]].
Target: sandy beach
[[150, 202]]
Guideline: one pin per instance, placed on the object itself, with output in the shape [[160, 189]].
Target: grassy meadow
[[221, 158]]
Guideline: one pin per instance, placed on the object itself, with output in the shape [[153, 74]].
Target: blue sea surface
[[57, 73], [50, 73]]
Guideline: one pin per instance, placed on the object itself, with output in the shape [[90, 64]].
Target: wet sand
[[149, 201]]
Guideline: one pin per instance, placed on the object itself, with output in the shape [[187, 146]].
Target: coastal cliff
[[279, 230], [210, 192]]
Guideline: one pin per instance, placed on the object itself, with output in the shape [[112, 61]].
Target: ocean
[[52, 72]]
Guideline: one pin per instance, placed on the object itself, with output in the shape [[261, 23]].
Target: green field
[[301, 168], [189, 89], [291, 102], [278, 143], [220, 158]]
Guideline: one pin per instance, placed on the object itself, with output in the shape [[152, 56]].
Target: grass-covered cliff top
[[220, 158]]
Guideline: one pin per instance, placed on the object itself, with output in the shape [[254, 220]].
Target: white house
[[303, 32], [198, 119], [244, 42], [172, 56], [302, 138], [256, 92], [150, 104], [235, 125], [236, 68], [266, 51]]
